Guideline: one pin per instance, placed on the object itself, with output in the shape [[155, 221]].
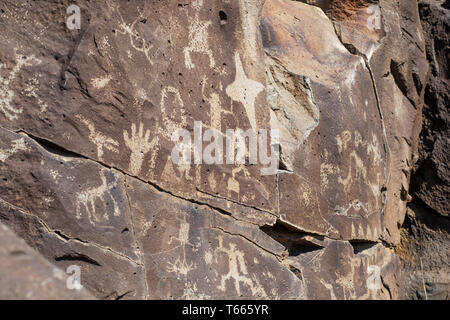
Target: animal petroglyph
[[101, 141], [198, 38], [87, 200], [6, 94], [245, 90], [139, 145], [137, 41]]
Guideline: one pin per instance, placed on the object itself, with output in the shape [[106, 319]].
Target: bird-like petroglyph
[[245, 91]]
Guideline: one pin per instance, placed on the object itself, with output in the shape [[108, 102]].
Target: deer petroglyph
[[88, 199]]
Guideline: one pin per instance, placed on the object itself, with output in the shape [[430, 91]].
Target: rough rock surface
[[431, 179], [425, 248], [86, 119], [27, 275], [425, 254]]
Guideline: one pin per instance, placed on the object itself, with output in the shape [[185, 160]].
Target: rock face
[[425, 247], [432, 177], [425, 253], [27, 275], [87, 170]]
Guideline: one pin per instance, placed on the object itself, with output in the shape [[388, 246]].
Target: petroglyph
[[327, 169], [17, 145], [168, 120], [245, 91], [6, 94], [191, 292], [233, 184], [215, 111], [181, 267], [343, 139], [237, 270], [355, 205], [101, 141], [139, 145], [101, 195], [31, 89], [198, 38], [101, 82], [183, 169], [96, 161], [137, 41], [170, 125], [372, 147], [356, 170], [55, 175]]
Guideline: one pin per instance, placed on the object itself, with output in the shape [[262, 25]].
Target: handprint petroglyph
[[139, 144]]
